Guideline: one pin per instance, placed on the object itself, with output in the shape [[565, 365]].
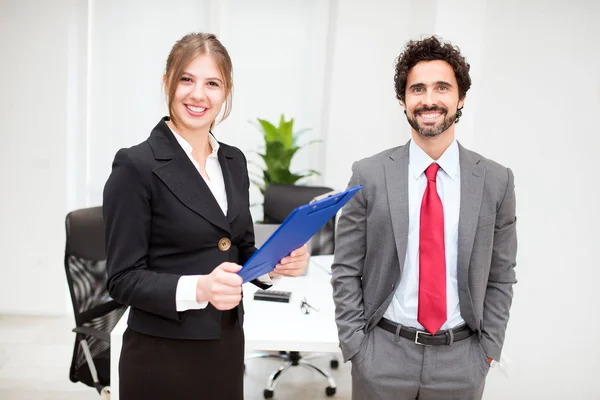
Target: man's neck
[[435, 146]]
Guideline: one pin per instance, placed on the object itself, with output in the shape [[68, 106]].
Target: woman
[[178, 226]]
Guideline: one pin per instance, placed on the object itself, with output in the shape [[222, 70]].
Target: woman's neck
[[197, 139]]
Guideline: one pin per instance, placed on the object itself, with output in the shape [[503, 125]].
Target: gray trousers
[[389, 367]]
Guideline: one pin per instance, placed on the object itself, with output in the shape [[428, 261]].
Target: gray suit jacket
[[371, 246]]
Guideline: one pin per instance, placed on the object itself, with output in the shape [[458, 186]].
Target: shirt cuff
[[267, 280], [185, 295]]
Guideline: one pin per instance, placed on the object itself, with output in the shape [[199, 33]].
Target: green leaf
[[286, 134], [297, 177], [310, 172], [280, 148], [266, 177], [298, 134], [313, 142], [277, 156], [290, 154], [282, 176], [271, 133]]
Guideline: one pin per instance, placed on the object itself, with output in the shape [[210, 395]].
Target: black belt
[[425, 338]]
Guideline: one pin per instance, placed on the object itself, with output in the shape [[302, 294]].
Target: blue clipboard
[[297, 229]]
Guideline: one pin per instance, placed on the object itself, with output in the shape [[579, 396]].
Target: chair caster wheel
[[268, 394], [334, 364], [329, 391], [105, 393]]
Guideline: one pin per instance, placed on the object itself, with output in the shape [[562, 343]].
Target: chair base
[[293, 359]]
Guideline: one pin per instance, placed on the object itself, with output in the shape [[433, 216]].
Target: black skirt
[[157, 368]]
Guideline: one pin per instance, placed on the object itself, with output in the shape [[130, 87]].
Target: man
[[425, 254]]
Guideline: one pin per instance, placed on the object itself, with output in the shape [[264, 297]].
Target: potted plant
[[281, 144], [279, 185]]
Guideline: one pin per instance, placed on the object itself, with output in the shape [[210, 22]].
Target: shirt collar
[[188, 147], [419, 160]]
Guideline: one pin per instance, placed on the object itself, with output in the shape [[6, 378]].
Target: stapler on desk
[[272, 295]]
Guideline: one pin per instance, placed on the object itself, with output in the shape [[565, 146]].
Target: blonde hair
[[183, 52]]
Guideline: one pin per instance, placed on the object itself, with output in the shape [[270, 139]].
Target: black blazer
[[162, 222]]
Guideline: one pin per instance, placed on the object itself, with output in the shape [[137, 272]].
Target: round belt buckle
[[224, 244]]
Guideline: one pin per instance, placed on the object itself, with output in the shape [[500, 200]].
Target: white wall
[[537, 112], [37, 115], [364, 115], [533, 106]]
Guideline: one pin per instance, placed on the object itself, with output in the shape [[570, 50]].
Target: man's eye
[[418, 90], [443, 88]]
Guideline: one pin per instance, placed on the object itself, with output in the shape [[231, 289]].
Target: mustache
[[431, 108]]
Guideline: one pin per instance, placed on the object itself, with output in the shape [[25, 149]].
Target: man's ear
[[461, 103]]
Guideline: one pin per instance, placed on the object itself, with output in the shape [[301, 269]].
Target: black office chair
[[96, 313], [279, 202]]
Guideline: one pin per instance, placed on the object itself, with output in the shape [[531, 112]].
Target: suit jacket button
[[224, 244]]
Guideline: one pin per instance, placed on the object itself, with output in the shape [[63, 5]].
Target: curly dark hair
[[429, 49]]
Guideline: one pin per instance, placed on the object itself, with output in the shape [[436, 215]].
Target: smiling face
[[432, 98], [199, 95]]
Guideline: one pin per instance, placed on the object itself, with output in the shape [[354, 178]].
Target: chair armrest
[[86, 330], [97, 311]]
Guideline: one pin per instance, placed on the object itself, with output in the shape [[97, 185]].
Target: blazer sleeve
[[347, 271], [127, 213], [499, 292]]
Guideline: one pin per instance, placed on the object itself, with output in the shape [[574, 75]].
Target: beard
[[431, 130]]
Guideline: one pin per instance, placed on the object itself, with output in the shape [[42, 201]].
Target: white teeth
[[196, 109], [430, 115]]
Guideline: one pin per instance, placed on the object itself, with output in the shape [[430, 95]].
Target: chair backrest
[[85, 267], [280, 201], [85, 261], [262, 233]]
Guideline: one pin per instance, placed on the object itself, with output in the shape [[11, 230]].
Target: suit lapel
[[181, 177], [233, 197], [396, 179], [472, 176]]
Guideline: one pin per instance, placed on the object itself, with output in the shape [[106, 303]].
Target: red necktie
[[432, 260]]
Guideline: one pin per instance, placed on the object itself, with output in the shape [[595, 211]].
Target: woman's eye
[[186, 79], [213, 83]]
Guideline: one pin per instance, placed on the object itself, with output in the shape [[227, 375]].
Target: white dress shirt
[[404, 306], [185, 295]]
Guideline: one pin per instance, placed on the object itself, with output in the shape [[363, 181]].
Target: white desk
[[273, 326], [283, 326]]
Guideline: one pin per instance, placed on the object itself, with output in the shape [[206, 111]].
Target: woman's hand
[[222, 287], [293, 265]]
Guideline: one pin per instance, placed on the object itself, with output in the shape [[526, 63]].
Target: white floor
[[35, 354]]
